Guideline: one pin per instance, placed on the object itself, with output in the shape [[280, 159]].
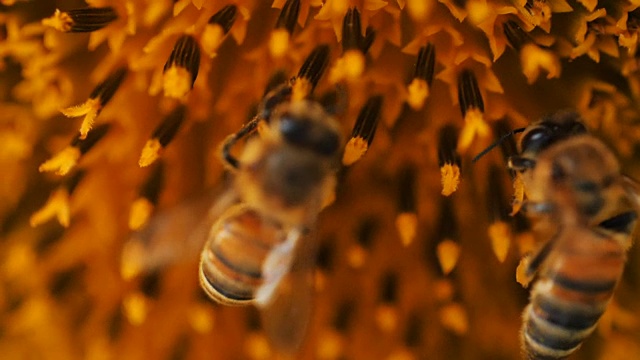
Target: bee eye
[[310, 135], [536, 139]]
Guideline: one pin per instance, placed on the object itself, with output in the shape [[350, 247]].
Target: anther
[[162, 136], [286, 23], [422, 78], [386, 315], [217, 28], [66, 159], [407, 219], [363, 131], [497, 205], [81, 20], [448, 247], [472, 108], [58, 204], [310, 72], [516, 36], [181, 69], [98, 99], [449, 159], [143, 206]]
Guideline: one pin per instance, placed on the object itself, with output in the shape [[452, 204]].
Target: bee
[[259, 244], [585, 210], [282, 178]]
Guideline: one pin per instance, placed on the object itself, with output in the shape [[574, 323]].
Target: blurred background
[[415, 259]]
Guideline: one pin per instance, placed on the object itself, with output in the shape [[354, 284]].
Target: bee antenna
[[498, 142]]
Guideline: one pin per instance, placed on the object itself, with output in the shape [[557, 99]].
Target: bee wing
[[173, 235], [286, 316]]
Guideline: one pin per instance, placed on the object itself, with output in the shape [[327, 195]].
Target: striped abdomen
[[232, 261], [575, 285]]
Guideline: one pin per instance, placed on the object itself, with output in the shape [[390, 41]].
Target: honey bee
[[585, 210], [259, 243], [258, 250], [282, 179]]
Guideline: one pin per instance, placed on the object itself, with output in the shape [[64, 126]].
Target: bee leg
[[519, 163], [232, 139], [533, 262]]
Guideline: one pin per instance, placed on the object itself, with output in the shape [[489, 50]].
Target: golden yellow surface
[[67, 293]]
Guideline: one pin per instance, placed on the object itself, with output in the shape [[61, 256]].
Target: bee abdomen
[[553, 328], [568, 301], [231, 261]]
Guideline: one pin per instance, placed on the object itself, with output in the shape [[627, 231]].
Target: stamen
[[469, 95], [365, 234], [225, 17], [217, 28], [449, 159], [280, 37], [181, 69], [310, 72], [448, 247], [162, 136], [472, 108], [144, 205], [516, 36], [56, 206], [351, 64], [386, 314], [499, 229], [422, 77], [352, 38], [81, 20], [98, 99], [363, 131], [407, 219], [66, 159]]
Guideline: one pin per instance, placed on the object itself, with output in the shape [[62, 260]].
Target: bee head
[[549, 130], [305, 124]]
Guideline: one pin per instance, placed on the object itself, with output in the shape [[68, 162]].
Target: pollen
[[534, 60], [448, 252], [500, 236], [140, 212], [354, 150], [407, 225], [130, 263], [450, 178], [81, 20], [89, 110], [418, 93], [150, 152], [454, 317], [518, 194], [56, 207], [62, 162], [60, 21], [136, 308], [386, 318], [474, 126], [279, 42]]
